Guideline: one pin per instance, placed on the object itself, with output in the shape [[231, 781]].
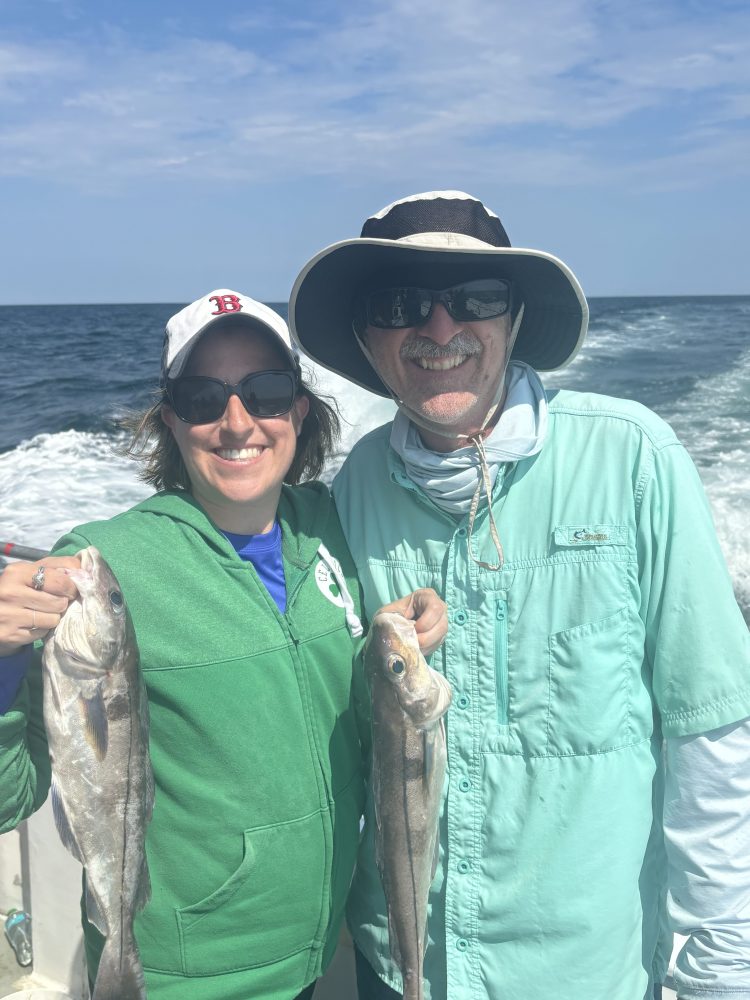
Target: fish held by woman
[[96, 717], [409, 700]]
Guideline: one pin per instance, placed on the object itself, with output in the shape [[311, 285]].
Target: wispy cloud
[[27, 71], [547, 89]]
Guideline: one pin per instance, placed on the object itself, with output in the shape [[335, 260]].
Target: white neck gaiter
[[450, 478]]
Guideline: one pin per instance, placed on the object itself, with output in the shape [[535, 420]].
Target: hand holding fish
[[409, 700], [429, 614], [33, 599], [96, 717]]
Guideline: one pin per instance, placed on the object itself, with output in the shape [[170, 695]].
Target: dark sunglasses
[[198, 399], [396, 308]]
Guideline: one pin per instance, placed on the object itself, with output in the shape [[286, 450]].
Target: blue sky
[[151, 151]]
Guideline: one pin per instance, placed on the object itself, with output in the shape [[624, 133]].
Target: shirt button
[[462, 944], [464, 784], [462, 532], [463, 701], [464, 867], [460, 618]]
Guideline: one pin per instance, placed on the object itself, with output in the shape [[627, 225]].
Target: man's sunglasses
[[198, 399], [397, 308]]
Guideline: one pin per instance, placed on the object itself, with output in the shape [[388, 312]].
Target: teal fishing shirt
[[611, 625]]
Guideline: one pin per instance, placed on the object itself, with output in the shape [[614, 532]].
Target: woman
[[245, 604]]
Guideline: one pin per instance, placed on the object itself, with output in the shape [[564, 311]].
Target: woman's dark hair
[[153, 445]]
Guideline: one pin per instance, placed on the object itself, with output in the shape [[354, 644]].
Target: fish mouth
[[404, 628], [85, 577]]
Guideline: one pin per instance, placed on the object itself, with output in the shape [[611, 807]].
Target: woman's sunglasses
[[397, 308], [198, 399]]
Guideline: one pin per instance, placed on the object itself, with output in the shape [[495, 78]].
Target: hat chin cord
[[475, 439]]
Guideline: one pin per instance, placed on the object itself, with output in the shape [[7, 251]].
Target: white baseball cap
[[224, 306]]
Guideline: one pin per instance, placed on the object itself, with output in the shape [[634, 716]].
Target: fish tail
[[120, 973]]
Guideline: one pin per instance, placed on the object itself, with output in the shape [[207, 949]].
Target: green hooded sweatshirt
[[253, 740]]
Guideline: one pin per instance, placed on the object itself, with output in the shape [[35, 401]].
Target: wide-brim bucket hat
[[435, 239]]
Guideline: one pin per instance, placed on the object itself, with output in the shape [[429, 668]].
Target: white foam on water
[[713, 421], [53, 482], [610, 335], [360, 411]]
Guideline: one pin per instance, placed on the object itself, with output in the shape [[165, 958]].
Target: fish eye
[[397, 665], [115, 599]]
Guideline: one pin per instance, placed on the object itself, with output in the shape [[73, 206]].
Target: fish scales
[[96, 717], [409, 700]]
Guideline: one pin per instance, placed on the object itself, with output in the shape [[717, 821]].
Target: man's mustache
[[464, 343]]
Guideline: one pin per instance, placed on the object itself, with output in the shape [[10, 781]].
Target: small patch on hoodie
[[327, 584]]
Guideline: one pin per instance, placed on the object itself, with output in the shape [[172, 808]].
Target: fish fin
[[143, 715], [393, 940], [95, 724], [143, 895], [437, 702], [433, 743], [149, 793], [64, 829], [435, 859], [53, 685], [94, 913], [428, 755], [433, 738], [379, 861]]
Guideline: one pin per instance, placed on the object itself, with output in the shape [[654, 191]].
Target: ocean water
[[68, 372]]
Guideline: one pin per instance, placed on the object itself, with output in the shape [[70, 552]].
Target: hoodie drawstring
[[352, 621]]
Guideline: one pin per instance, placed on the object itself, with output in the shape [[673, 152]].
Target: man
[[598, 658]]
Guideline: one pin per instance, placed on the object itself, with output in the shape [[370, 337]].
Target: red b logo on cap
[[226, 304]]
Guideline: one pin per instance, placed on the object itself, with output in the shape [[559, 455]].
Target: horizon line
[[272, 302]]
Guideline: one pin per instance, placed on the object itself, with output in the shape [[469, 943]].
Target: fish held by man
[[409, 700], [96, 717]]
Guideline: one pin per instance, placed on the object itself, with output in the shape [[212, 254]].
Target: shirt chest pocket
[[589, 682], [562, 653]]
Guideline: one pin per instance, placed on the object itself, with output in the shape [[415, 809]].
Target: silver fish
[[409, 700], [96, 717]]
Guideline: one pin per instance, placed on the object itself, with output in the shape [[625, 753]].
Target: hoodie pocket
[[267, 910]]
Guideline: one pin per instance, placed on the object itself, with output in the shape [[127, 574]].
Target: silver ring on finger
[[34, 626], [37, 580]]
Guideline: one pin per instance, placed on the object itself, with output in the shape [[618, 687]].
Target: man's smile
[[441, 364]]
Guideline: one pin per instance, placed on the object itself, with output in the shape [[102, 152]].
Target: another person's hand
[[33, 599], [429, 614]]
